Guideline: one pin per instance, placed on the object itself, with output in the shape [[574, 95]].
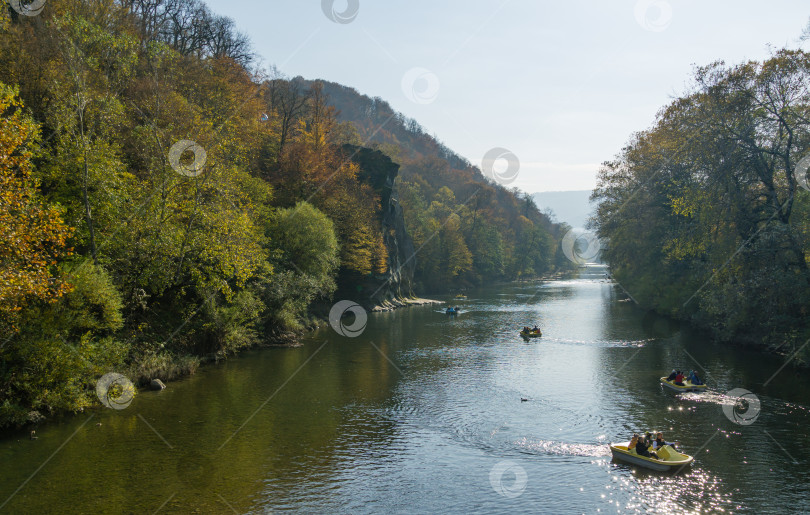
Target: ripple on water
[[775, 406], [600, 342], [562, 448]]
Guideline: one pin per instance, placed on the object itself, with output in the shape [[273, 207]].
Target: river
[[424, 413]]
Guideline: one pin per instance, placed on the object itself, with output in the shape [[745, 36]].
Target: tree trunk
[[88, 214]]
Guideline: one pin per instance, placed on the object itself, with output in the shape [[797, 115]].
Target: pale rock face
[[157, 384]]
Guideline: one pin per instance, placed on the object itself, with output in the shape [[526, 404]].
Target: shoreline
[[285, 339], [406, 302]]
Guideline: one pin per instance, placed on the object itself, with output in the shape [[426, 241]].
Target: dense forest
[[706, 215], [165, 201]]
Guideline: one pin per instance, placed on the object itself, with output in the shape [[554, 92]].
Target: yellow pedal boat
[[687, 386], [531, 334], [669, 458]]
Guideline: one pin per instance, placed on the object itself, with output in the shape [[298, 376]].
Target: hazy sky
[[561, 84]]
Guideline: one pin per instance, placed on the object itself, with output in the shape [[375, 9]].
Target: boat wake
[[601, 343], [708, 397], [562, 448], [775, 406]]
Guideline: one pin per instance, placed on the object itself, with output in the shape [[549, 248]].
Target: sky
[[561, 85]]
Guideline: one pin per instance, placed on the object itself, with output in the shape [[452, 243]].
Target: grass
[[165, 367]]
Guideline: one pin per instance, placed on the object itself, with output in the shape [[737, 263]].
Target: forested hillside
[[163, 202], [706, 215], [469, 228]]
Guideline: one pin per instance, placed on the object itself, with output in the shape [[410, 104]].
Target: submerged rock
[[157, 384]]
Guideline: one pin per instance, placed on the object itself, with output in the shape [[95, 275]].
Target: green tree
[[305, 249]]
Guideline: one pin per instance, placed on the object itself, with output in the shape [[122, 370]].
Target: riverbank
[[169, 368], [549, 276], [396, 303], [789, 348]]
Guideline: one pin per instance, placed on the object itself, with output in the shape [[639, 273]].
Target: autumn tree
[[34, 234]]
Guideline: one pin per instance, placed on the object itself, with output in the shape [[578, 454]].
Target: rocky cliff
[[394, 287]]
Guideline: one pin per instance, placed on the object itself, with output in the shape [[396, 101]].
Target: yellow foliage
[[682, 206], [34, 235]]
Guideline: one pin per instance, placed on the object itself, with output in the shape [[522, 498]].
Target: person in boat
[[633, 442], [672, 375], [660, 442], [679, 379], [642, 448], [535, 328], [694, 379]]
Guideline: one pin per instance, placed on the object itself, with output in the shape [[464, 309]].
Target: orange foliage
[[33, 234]]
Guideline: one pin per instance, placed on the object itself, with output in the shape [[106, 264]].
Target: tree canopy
[[705, 213]]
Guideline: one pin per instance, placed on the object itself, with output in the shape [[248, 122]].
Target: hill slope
[[466, 227]]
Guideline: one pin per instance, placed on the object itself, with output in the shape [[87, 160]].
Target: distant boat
[[531, 333], [460, 296]]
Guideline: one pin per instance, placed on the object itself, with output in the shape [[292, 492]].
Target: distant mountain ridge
[[571, 207]]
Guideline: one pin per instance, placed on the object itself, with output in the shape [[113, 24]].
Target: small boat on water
[[451, 311], [687, 386], [460, 296], [669, 458], [531, 334]]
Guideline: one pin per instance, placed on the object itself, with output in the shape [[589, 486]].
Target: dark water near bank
[[423, 413]]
